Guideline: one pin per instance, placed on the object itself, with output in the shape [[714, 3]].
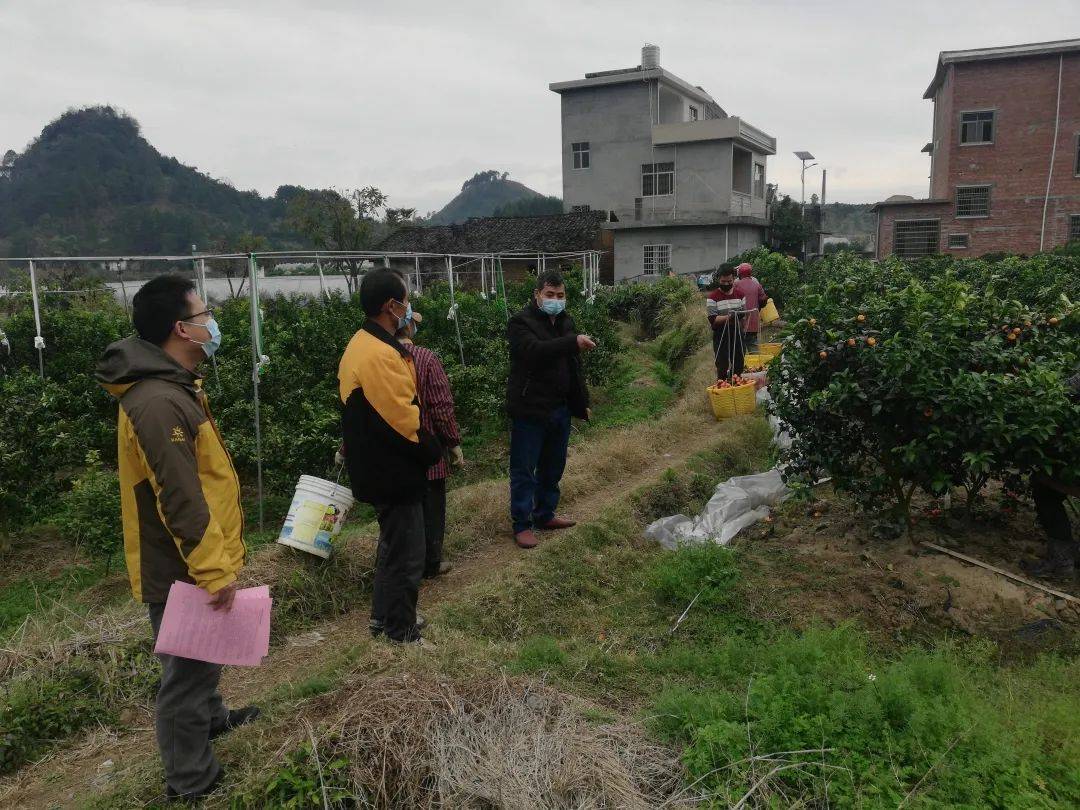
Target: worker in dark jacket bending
[[545, 389]]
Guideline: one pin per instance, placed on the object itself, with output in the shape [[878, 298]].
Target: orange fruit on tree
[[851, 341], [1016, 330], [871, 341], [1054, 321], [861, 318], [928, 412], [823, 354], [812, 321], [1011, 336]]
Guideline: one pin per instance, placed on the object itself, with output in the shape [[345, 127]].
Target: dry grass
[[55, 636], [489, 743]]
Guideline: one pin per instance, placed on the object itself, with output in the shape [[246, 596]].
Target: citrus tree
[[896, 378]]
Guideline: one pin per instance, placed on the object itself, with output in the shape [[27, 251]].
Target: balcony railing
[[742, 205]]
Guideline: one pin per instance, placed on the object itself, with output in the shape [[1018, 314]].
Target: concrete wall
[[693, 248], [616, 121], [703, 176]]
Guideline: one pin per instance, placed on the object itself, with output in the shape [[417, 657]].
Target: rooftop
[[555, 233], [634, 74], [946, 58], [903, 199]]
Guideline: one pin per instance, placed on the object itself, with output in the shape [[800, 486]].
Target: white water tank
[[650, 57]]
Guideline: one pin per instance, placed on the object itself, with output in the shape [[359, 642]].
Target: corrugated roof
[[553, 233], [1004, 52]]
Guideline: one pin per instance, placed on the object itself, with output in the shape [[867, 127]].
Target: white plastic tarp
[[735, 504]]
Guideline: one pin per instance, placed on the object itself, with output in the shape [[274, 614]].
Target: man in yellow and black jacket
[[387, 451], [180, 503]]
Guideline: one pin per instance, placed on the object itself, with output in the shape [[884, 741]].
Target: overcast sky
[[414, 97]]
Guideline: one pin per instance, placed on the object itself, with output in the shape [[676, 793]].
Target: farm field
[[827, 657]]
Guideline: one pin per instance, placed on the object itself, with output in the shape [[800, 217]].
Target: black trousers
[[399, 567], [1050, 508], [434, 525], [729, 350], [187, 709]]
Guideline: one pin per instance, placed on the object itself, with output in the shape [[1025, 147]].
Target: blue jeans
[[537, 461]]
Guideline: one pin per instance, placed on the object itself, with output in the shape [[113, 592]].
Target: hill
[[481, 196], [90, 183]]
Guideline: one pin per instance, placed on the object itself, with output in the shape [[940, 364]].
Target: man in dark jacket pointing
[[545, 389]]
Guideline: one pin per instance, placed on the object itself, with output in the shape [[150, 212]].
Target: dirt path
[[598, 472]]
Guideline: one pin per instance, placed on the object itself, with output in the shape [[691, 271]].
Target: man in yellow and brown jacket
[[180, 502], [387, 451]]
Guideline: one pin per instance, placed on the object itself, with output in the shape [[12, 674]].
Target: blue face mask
[[552, 306], [210, 346], [403, 321]]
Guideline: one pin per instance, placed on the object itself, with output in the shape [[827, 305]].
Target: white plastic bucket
[[315, 516]]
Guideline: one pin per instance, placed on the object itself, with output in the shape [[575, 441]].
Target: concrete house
[[1004, 156], [683, 183]]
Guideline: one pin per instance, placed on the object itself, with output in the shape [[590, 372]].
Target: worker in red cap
[[750, 289]]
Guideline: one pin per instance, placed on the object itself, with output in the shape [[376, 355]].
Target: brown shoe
[[558, 523], [526, 539]]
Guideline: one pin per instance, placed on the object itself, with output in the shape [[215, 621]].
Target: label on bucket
[[312, 522]]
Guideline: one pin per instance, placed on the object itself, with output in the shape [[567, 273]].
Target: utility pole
[[803, 156], [821, 223]]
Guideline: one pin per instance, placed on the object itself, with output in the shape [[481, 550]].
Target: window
[[959, 241], [581, 154], [973, 201], [579, 209], [693, 113], [1074, 228], [977, 127], [657, 179], [916, 237], [759, 181], [655, 258]]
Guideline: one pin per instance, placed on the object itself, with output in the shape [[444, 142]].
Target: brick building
[[999, 178]]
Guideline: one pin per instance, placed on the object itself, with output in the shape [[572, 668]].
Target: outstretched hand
[[585, 343]]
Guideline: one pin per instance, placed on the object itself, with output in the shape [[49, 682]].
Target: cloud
[[414, 97]]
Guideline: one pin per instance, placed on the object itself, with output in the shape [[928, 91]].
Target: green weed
[[37, 713], [944, 725], [303, 780]]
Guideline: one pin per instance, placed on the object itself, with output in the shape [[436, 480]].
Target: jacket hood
[[132, 360]]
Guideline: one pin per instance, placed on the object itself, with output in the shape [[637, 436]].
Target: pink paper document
[[191, 628]]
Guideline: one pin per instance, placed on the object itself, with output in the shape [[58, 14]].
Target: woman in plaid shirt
[[436, 417]]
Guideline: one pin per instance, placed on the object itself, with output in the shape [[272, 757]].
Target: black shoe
[[191, 798], [377, 626], [444, 568], [1047, 568], [235, 719]]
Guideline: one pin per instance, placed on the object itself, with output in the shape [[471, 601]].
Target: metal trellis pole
[[39, 341], [322, 281], [502, 282], [454, 307], [256, 365]]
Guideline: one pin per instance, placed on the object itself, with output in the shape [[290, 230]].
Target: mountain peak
[[481, 195]]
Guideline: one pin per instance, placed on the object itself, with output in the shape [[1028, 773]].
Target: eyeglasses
[[208, 311]]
